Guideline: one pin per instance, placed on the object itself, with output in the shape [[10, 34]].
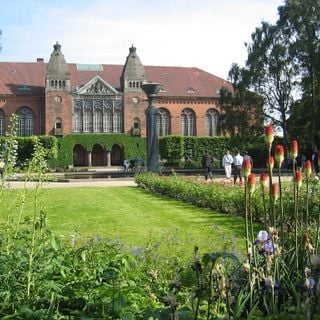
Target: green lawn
[[133, 216]]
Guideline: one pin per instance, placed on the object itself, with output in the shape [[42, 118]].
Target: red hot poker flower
[[279, 155], [298, 178], [268, 135], [270, 163], [275, 191], [294, 149], [263, 180], [246, 168], [252, 182], [308, 169]]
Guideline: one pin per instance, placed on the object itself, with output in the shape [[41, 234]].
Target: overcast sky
[[208, 34]]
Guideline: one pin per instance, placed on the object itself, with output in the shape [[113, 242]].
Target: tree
[[242, 112], [272, 74], [300, 22]]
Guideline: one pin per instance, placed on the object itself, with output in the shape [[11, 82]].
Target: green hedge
[[26, 147], [181, 151], [133, 146], [221, 197], [187, 151]]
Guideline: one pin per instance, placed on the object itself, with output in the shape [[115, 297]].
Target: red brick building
[[60, 98]]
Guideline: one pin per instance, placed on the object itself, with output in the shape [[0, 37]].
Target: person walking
[[227, 161], [238, 160], [207, 165]]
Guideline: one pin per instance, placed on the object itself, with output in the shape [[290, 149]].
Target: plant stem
[[281, 207]]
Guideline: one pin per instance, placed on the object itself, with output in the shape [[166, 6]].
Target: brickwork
[[58, 105], [35, 103]]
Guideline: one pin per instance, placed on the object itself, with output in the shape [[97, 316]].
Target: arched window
[[1, 122], [107, 121], [25, 122], [58, 127], [163, 122], [77, 121], [87, 120], [117, 122], [188, 122], [212, 122], [97, 120]]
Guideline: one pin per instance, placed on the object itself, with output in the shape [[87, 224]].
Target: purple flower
[[263, 236], [268, 247]]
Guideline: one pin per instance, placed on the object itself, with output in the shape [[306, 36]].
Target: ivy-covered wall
[[132, 146]]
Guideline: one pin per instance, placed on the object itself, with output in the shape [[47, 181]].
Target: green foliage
[[26, 145], [187, 151], [132, 146]]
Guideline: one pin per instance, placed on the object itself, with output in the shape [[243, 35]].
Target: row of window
[[187, 122], [105, 121]]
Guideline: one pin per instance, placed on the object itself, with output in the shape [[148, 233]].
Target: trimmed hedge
[[222, 198], [26, 147]]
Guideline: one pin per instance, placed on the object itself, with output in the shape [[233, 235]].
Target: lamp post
[[151, 89]]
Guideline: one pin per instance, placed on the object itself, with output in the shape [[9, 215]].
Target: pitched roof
[[29, 78]]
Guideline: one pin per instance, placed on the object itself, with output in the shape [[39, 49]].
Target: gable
[[98, 86]]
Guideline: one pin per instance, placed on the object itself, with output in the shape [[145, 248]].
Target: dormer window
[[190, 90]]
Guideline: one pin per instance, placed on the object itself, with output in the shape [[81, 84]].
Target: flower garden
[[275, 277]]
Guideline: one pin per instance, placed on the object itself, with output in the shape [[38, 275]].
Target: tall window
[[77, 121], [97, 120], [117, 122], [1, 122], [87, 120], [163, 122], [25, 122], [212, 122], [107, 121], [188, 122]]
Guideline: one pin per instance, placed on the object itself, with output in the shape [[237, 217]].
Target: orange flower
[[279, 155], [270, 163], [308, 169], [252, 182], [263, 180], [294, 149], [268, 135], [246, 168], [298, 178], [275, 191]]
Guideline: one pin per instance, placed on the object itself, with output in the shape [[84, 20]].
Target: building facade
[[60, 98]]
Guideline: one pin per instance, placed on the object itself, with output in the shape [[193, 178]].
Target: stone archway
[[79, 156], [117, 155], [98, 155]]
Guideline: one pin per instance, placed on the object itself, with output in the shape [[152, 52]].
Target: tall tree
[[300, 21], [242, 112], [272, 74]]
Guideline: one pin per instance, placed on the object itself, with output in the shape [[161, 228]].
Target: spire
[[133, 71], [57, 65]]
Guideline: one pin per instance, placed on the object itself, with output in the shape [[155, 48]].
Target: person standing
[[247, 157], [227, 161], [207, 166], [238, 160]]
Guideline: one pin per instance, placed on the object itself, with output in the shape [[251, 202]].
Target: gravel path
[[76, 183]]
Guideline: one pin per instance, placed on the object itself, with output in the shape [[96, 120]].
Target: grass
[[130, 215]]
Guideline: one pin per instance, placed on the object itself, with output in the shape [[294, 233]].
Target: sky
[[207, 34]]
